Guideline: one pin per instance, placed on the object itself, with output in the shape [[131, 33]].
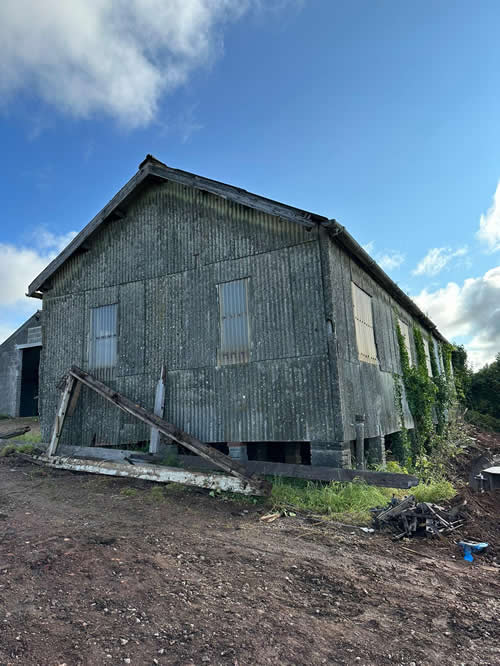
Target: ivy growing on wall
[[426, 396]]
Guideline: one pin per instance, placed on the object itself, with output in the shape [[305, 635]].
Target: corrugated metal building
[[275, 326], [19, 367]]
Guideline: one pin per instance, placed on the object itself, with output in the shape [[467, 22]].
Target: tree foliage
[[484, 391]]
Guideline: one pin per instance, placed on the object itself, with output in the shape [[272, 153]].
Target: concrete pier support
[[238, 451], [331, 454]]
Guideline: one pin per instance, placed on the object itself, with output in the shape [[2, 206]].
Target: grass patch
[[7, 450], [32, 437], [348, 501], [343, 501], [156, 494], [129, 492], [434, 491]]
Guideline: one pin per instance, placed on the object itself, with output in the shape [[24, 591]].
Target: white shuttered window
[[427, 357], [363, 318], [234, 343], [103, 336], [405, 332]]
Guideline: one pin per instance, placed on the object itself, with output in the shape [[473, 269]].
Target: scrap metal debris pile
[[408, 517]]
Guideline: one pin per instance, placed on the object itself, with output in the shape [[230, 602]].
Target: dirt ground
[[90, 575]]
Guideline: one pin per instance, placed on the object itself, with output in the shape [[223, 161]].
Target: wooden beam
[[60, 416], [311, 472], [170, 431], [14, 433], [153, 473]]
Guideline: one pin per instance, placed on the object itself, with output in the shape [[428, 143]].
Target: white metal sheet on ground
[[156, 473]]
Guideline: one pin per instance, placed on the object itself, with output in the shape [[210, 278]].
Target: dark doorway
[[28, 405]]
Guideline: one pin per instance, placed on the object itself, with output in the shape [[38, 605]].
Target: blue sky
[[384, 115]]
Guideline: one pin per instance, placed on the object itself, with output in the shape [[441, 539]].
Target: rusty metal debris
[[408, 517]]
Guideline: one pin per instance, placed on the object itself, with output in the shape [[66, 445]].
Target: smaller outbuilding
[[19, 369]]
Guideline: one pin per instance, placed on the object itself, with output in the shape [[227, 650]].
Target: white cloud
[[489, 225], [472, 309], [388, 260], [20, 265], [111, 56], [436, 259], [391, 260]]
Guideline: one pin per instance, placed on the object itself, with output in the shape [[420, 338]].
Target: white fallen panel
[[147, 472]]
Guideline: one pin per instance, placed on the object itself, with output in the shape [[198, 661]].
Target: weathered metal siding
[[162, 264], [366, 388], [11, 367]]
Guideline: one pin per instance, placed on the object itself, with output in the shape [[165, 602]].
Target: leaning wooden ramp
[[236, 479]]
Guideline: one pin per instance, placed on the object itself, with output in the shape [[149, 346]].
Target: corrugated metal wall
[[161, 264], [367, 388]]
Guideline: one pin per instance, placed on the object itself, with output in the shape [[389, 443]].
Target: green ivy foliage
[[425, 396]]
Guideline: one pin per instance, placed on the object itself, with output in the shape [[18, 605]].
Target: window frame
[[227, 355], [364, 330], [92, 347], [427, 352], [402, 327]]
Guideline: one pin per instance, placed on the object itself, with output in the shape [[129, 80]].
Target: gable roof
[[152, 170], [34, 317]]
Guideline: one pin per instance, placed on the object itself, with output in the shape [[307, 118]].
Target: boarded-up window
[[35, 335], [103, 336], [427, 357], [405, 332], [234, 343], [363, 318]]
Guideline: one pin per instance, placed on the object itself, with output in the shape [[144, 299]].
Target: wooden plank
[[169, 430], [14, 433], [154, 441], [60, 416], [311, 472], [152, 473], [74, 398]]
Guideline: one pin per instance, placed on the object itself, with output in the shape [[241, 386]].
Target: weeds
[[8, 450], [129, 492], [156, 494], [346, 501]]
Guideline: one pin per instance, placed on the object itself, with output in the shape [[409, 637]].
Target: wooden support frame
[[255, 485], [61, 415]]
